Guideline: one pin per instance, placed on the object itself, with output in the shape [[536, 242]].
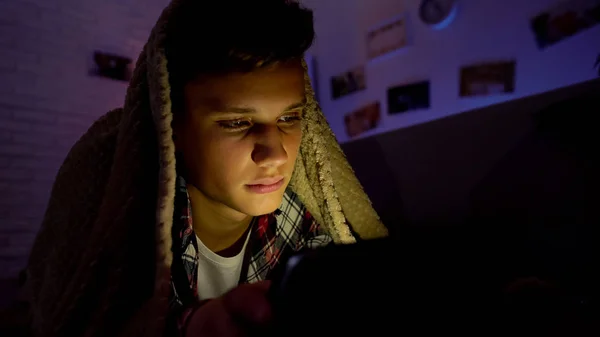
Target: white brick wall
[[47, 98]]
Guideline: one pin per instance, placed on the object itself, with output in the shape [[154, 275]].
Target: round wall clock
[[438, 13]]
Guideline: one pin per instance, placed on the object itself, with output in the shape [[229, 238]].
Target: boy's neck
[[218, 226]]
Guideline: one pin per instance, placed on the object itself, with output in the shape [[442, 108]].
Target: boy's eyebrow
[[245, 110], [296, 106]]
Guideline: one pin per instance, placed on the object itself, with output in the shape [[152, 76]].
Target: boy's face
[[240, 136]]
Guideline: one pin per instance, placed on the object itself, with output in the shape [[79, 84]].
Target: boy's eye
[[290, 119], [235, 125]]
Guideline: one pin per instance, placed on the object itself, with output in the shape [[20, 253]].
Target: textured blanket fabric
[[100, 265]]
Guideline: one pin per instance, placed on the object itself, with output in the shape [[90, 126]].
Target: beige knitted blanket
[[101, 262]]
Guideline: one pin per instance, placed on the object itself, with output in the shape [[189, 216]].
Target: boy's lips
[[266, 181], [266, 185]]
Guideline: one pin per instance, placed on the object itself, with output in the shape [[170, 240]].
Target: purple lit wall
[[483, 30], [48, 99]]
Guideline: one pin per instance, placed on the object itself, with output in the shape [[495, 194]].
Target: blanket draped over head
[[101, 262]]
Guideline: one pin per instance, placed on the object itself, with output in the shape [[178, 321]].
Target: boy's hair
[[224, 36]]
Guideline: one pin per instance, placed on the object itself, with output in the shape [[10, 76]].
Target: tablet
[[425, 283]]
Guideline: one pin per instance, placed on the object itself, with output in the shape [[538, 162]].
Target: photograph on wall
[[387, 37], [487, 79], [563, 20], [348, 82], [407, 97], [112, 66], [363, 119]]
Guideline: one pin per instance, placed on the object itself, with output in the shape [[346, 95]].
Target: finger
[[249, 303], [261, 285], [213, 319]]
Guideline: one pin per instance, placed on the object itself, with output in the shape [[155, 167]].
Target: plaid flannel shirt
[[273, 238]]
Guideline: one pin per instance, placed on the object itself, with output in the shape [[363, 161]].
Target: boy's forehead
[[273, 72], [221, 92]]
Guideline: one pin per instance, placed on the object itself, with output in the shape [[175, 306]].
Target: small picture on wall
[[348, 82], [408, 97], [487, 79], [363, 119], [112, 66], [563, 20], [387, 37]]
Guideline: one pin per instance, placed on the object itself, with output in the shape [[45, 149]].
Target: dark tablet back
[[434, 280]]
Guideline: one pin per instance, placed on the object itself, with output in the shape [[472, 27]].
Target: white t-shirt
[[217, 274]]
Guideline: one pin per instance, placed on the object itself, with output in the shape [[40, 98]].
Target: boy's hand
[[237, 313]]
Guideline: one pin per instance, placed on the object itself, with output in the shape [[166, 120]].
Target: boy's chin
[[267, 205]]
